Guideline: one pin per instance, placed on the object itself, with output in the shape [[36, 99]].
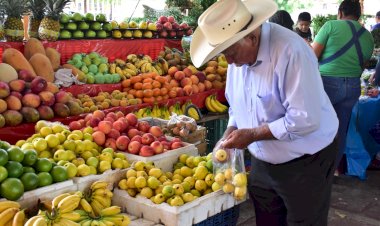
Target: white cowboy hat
[[226, 22]]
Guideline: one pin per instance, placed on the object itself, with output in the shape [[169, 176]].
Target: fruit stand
[[105, 123]]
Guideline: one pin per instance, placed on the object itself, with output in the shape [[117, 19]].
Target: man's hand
[[241, 138]]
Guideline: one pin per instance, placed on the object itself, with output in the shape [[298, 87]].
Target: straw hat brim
[[201, 51]]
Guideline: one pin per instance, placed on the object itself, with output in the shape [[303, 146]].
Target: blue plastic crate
[[225, 218]]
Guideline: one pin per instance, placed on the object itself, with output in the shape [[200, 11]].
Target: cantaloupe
[[33, 46], [17, 60], [42, 66], [7, 73], [54, 57]]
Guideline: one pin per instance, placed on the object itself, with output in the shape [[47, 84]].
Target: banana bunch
[[176, 108], [108, 218], [62, 213], [163, 64], [100, 198], [10, 214], [213, 105], [156, 112], [165, 114], [124, 69], [193, 111]]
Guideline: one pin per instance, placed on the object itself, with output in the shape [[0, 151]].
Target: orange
[[15, 169], [12, 189], [59, 173], [30, 181]]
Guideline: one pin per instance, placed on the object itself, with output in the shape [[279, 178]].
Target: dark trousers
[[293, 193]]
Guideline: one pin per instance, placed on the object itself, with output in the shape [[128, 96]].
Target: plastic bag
[[229, 171], [181, 125], [65, 78]]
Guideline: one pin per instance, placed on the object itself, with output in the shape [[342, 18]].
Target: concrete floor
[[354, 202]]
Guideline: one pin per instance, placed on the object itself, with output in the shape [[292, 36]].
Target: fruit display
[[87, 26], [230, 172], [49, 27], [127, 134], [168, 27], [132, 29], [36, 7], [30, 99], [11, 213], [22, 170], [181, 125], [76, 150], [13, 26], [94, 68], [213, 105], [92, 207], [192, 178]]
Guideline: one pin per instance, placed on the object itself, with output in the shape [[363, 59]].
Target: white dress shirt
[[284, 90]]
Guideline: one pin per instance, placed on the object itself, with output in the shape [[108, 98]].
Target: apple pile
[[29, 99], [167, 27], [126, 133]]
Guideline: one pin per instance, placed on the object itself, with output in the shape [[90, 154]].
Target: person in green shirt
[[343, 47]]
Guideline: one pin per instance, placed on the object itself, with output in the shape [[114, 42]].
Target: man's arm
[[241, 138]]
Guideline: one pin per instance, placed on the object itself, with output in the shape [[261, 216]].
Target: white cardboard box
[[191, 213]]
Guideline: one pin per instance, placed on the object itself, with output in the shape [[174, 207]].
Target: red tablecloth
[[111, 48], [23, 131]]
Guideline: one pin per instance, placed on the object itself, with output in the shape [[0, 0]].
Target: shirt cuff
[[231, 122], [278, 129]]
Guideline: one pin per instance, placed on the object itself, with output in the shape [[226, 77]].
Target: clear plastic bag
[[229, 171], [181, 125]]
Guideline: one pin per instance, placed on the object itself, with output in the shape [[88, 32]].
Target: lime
[[43, 165], [3, 173], [3, 157], [12, 189], [15, 154], [59, 173], [29, 169], [15, 169], [30, 181], [30, 157], [4, 145], [44, 179]]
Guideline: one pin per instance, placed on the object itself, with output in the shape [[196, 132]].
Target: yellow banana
[[19, 218], [31, 220], [59, 198], [120, 62], [108, 223], [164, 64], [140, 63], [208, 104], [86, 222], [158, 69], [73, 216], [147, 58], [8, 204], [110, 211], [66, 222], [116, 219], [69, 203], [98, 185], [7, 215], [100, 191], [193, 113], [126, 220], [130, 71], [103, 200], [85, 205], [96, 206], [119, 71], [40, 222], [112, 68], [131, 57], [131, 66], [218, 106]]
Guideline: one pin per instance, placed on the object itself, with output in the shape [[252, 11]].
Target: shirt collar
[[264, 50]]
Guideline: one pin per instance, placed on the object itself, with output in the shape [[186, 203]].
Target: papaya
[[33, 46], [17, 60], [42, 66], [54, 57]]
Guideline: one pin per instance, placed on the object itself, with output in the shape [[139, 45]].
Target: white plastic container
[[191, 213]]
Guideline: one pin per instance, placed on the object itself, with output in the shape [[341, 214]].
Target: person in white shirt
[[278, 110]]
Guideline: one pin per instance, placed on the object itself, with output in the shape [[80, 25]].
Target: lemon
[[88, 130], [61, 137], [104, 166], [44, 131], [27, 146], [83, 170], [40, 144], [79, 133], [20, 143], [52, 140], [40, 124], [117, 163], [57, 128], [71, 169]]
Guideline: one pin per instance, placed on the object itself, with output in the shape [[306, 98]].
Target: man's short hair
[[378, 14]]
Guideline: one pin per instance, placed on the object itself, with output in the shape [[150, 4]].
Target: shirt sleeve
[[322, 35], [300, 88], [231, 119]]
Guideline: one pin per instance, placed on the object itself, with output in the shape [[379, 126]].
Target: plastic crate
[[228, 217], [215, 131]]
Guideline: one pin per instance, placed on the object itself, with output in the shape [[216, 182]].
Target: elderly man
[[278, 110]]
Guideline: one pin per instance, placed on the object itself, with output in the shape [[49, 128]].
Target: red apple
[[175, 26], [112, 115], [122, 143], [109, 119], [155, 131], [38, 85], [163, 34], [176, 139], [162, 19], [147, 138], [189, 32], [162, 138], [168, 26], [110, 143], [157, 146], [132, 119], [146, 151], [133, 132], [75, 125], [159, 26], [143, 126], [137, 138], [184, 25], [114, 134], [176, 145], [172, 34], [134, 147], [166, 145], [118, 125], [94, 122], [171, 19], [25, 75]]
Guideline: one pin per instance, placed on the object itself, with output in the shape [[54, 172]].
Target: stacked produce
[[76, 150], [126, 133], [132, 29], [36, 7], [168, 27], [93, 69], [192, 178], [88, 26], [22, 170], [11, 213], [13, 26]]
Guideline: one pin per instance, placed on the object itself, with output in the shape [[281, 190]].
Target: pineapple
[[13, 26], [49, 27], [36, 7]]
